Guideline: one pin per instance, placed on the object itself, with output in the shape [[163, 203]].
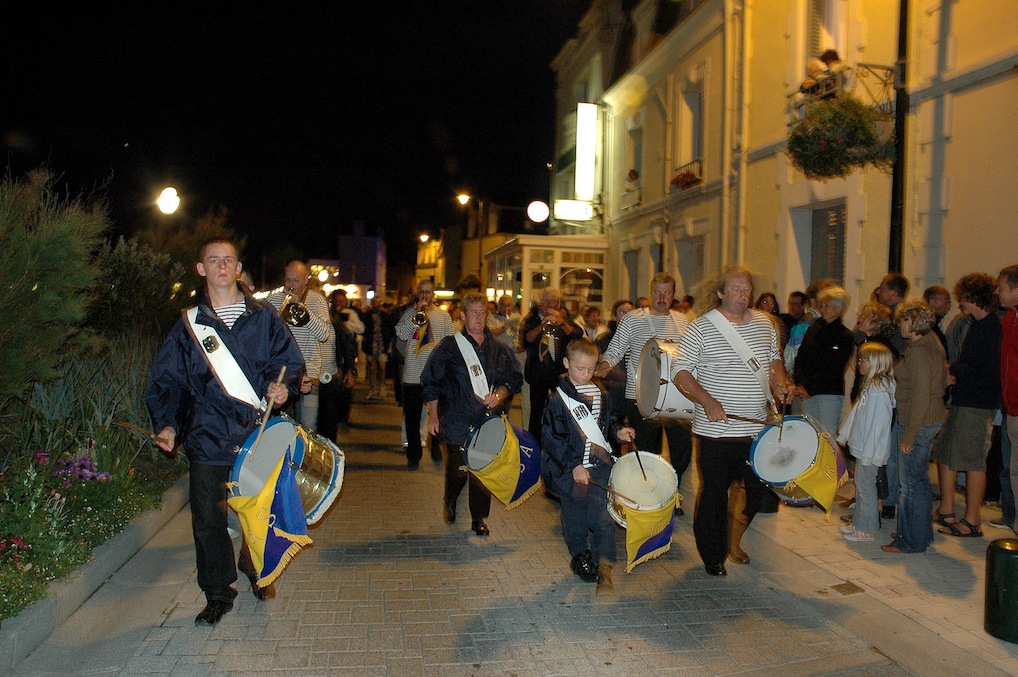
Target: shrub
[[835, 136]]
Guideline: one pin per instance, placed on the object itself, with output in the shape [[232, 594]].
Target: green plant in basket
[[835, 136]]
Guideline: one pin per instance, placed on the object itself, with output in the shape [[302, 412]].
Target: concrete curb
[[23, 634]]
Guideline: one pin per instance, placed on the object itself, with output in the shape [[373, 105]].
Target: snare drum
[[638, 494], [777, 463], [511, 472], [656, 395], [319, 462]]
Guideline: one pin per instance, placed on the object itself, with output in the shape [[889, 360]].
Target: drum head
[[777, 462], [643, 493], [484, 443], [252, 470]]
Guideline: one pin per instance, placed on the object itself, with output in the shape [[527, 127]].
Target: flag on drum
[[513, 474], [273, 521], [648, 533], [827, 473]]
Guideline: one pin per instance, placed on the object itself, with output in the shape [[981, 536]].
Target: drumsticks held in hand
[[268, 413], [149, 435], [612, 491]]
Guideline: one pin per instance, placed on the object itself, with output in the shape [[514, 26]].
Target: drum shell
[[656, 395], [663, 487], [778, 463], [320, 464]]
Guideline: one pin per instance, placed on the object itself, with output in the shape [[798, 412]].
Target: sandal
[[891, 548], [974, 530], [941, 519]]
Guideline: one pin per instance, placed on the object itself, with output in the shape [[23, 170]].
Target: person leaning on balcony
[[825, 75], [185, 396]]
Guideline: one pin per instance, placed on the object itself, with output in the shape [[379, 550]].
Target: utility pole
[[895, 254]]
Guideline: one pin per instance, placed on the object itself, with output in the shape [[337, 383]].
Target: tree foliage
[[46, 247]]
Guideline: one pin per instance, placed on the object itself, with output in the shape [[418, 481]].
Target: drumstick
[[612, 491], [640, 463], [145, 433], [268, 413], [735, 416]]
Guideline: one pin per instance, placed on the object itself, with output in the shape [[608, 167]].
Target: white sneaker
[[847, 529], [999, 524], [858, 536]]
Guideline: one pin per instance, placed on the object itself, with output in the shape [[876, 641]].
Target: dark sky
[[302, 121]]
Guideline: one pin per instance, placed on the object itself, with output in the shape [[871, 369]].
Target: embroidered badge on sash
[[581, 413], [210, 344], [475, 369], [754, 364]]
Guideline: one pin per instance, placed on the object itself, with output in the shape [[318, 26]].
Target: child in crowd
[[578, 427], [867, 430]]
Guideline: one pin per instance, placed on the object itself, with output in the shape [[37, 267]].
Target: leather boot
[[604, 580], [737, 523]]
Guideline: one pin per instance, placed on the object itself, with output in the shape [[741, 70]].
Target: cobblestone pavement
[[389, 589]]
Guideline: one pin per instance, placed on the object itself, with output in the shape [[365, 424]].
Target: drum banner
[[514, 474], [648, 533], [827, 474], [273, 521]]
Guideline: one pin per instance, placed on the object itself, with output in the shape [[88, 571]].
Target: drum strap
[[478, 381], [221, 361], [742, 348], [588, 426]]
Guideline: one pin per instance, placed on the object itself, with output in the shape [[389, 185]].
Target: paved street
[[389, 589]]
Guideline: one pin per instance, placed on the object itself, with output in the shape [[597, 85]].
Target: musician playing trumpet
[[421, 327], [312, 329]]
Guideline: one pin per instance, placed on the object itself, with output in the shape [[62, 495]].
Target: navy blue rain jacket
[[184, 394]]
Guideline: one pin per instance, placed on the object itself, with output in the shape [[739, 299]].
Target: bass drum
[[660, 487], [656, 395]]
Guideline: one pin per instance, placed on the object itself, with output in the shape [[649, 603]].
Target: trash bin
[[1000, 616]]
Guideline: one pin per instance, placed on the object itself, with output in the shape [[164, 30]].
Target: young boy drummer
[[576, 463]]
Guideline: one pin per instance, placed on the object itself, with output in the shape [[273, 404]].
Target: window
[[691, 125], [826, 29], [827, 256]]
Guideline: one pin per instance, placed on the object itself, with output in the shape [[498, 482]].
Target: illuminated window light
[[586, 147]]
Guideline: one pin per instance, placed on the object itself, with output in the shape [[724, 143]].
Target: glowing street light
[[168, 200]]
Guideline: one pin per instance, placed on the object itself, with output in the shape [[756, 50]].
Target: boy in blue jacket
[[578, 427]]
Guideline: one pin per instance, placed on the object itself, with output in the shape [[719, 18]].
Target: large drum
[[660, 488], [319, 462], [656, 395], [781, 454], [509, 468]]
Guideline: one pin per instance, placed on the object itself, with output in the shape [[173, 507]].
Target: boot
[[604, 580], [737, 523]]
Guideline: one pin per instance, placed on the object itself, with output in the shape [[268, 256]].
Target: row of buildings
[[671, 149]]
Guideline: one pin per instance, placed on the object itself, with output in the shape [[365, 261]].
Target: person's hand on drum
[[494, 399], [581, 475], [626, 435], [786, 392], [277, 395]]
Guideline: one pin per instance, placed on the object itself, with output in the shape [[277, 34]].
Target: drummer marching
[[576, 463]]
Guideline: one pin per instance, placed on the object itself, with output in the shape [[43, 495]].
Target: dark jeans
[[649, 433], [413, 401], [212, 543], [585, 511], [328, 408], [456, 479], [721, 461], [538, 401]]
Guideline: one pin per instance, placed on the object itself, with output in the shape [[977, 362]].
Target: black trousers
[[649, 433], [212, 543], [721, 461], [413, 401], [538, 401], [456, 479]]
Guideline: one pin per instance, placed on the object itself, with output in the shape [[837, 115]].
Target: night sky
[[302, 122]]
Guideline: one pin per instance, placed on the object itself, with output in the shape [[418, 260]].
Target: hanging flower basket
[[837, 135], [685, 179]]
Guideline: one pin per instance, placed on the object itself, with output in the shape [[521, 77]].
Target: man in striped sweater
[[727, 385]]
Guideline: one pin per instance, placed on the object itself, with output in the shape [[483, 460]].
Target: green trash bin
[[1000, 617]]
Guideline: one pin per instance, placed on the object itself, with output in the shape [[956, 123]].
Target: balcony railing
[[630, 198], [870, 83], [688, 175]]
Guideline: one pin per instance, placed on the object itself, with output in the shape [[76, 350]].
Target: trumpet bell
[[296, 314], [420, 318], [548, 328]]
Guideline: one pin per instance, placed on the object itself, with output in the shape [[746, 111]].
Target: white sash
[[650, 323], [735, 340], [588, 425], [224, 366], [478, 381]]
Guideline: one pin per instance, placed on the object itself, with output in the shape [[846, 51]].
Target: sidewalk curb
[[23, 634]]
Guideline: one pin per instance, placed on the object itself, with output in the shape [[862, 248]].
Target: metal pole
[[895, 254]]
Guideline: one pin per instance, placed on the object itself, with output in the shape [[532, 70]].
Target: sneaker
[[858, 536], [999, 525], [847, 529]]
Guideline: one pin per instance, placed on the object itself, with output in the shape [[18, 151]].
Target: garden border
[[23, 634]]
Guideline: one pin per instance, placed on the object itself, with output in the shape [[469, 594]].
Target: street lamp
[[168, 200]]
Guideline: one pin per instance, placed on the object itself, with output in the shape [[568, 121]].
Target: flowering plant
[[686, 178], [835, 136]]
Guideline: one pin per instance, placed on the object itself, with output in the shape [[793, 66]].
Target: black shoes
[[449, 512], [213, 612], [715, 569], [413, 465], [679, 512], [480, 528], [262, 593], [888, 512], [584, 567], [436, 454]]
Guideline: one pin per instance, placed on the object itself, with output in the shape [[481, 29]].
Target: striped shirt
[[229, 314], [636, 328], [723, 374], [441, 326], [589, 390], [312, 337]]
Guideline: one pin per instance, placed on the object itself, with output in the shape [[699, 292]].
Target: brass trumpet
[[296, 313], [549, 327], [420, 318]]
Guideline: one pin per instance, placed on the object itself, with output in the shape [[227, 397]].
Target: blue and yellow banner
[[514, 474], [827, 474], [648, 533], [273, 521]]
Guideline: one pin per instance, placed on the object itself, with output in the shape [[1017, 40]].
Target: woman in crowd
[[921, 375]]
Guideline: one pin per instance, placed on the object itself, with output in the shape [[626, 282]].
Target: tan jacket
[[921, 376]]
